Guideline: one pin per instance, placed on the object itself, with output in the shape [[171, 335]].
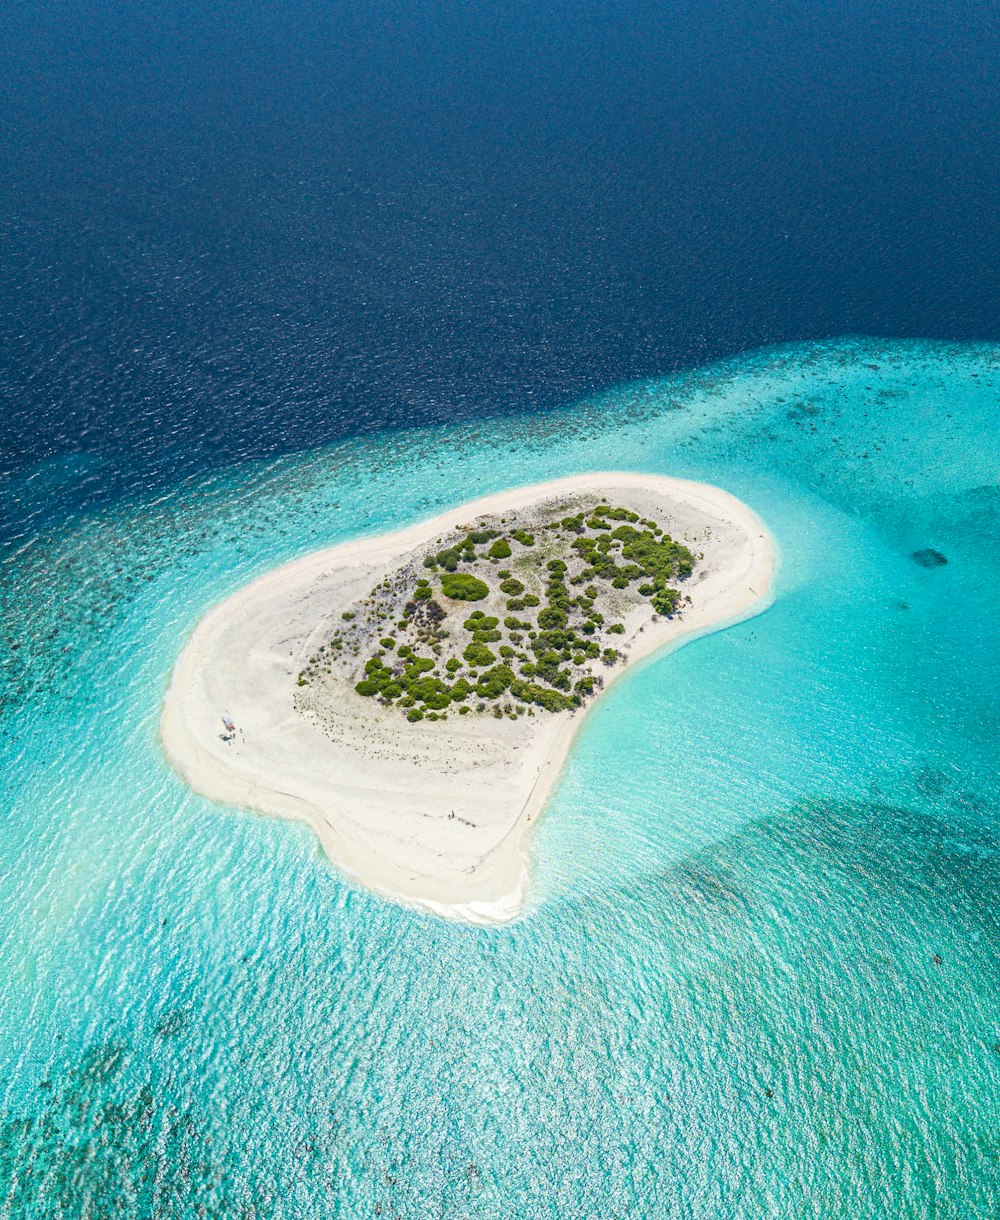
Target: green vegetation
[[547, 634], [478, 654], [460, 586]]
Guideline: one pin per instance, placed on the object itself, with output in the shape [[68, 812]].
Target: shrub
[[515, 624], [348, 615], [523, 537], [477, 621], [552, 617], [453, 665], [368, 687], [459, 586], [423, 593], [665, 601], [616, 629], [494, 682], [414, 714], [418, 666], [512, 587], [530, 599], [478, 654], [500, 549], [556, 565], [448, 558], [388, 642]]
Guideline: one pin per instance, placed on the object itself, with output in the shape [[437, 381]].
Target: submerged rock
[[929, 558]]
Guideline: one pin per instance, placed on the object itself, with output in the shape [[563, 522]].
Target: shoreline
[[370, 832]]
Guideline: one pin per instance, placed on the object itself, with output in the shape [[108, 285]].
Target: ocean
[[279, 276]]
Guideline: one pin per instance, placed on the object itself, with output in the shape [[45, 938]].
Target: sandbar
[[432, 815]]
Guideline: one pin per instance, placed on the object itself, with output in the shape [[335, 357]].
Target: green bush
[[494, 682], [616, 629], [665, 601], [552, 617], [500, 549], [388, 642], [523, 537], [459, 586], [512, 587], [479, 654], [423, 593], [478, 621], [414, 714], [453, 664]]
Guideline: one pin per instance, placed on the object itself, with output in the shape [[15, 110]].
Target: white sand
[[430, 814]]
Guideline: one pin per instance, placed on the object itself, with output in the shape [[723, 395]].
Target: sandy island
[[433, 815]]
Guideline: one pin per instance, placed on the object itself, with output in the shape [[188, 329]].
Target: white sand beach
[[434, 815]]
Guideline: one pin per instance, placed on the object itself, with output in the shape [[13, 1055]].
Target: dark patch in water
[[927, 557]]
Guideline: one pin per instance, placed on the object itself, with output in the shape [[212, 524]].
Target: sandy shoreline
[[434, 816]]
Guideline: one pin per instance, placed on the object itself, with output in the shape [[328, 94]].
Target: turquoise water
[[759, 975]]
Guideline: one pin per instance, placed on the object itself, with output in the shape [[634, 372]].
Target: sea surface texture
[[758, 976]]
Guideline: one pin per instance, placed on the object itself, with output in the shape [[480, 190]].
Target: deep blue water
[[229, 230]]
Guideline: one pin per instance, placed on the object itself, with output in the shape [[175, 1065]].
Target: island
[[412, 696]]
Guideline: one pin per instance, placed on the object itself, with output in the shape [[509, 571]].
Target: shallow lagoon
[[760, 974]]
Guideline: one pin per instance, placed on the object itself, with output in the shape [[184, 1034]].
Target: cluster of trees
[[652, 557], [539, 663]]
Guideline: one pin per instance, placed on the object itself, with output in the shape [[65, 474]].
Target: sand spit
[[436, 814]]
